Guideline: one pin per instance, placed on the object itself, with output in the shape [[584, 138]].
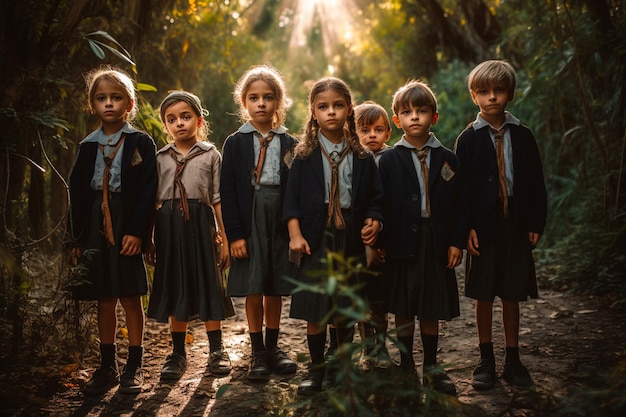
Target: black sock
[[429, 343], [108, 353], [135, 357], [511, 355], [332, 338], [316, 344], [486, 352], [406, 358], [178, 341], [256, 339], [215, 340], [271, 338]]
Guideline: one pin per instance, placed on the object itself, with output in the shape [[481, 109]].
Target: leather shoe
[[312, 382], [280, 363], [437, 378], [259, 369], [174, 367], [105, 378], [484, 375], [219, 362], [517, 375]]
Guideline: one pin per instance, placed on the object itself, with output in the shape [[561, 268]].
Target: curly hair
[[309, 139]]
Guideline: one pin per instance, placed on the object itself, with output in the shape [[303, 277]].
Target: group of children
[[270, 206]]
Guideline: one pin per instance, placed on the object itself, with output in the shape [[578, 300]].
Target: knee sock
[[429, 343], [271, 338], [486, 351], [511, 355], [406, 358], [316, 344], [108, 353], [178, 342], [256, 339], [215, 340], [135, 357]]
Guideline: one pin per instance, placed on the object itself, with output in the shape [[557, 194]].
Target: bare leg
[[134, 319]]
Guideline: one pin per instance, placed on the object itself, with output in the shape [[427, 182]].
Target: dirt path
[[565, 342]]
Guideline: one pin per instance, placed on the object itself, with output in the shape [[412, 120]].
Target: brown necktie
[[265, 142], [334, 204], [421, 156], [503, 195], [180, 167], [107, 223]]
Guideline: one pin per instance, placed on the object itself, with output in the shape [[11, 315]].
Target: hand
[[239, 249], [369, 232], [299, 244], [378, 256], [534, 238], [472, 243], [224, 255], [455, 256], [150, 255], [131, 245]]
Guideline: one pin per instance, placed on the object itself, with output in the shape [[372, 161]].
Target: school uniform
[[188, 282], [416, 242], [252, 210], [505, 267], [132, 188], [307, 199]]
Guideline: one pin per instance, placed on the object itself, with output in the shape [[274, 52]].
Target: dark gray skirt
[[264, 271], [107, 274], [422, 287], [188, 284], [505, 267]]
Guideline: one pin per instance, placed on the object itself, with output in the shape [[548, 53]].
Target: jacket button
[[413, 228], [414, 197], [491, 178]]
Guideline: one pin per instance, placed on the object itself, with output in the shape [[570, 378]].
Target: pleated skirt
[[106, 273], [188, 283]]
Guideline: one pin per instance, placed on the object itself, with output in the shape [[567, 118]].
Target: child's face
[[111, 103], [260, 102], [331, 110], [181, 122], [492, 101], [416, 122], [374, 136]]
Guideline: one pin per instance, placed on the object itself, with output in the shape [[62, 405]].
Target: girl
[[188, 278], [112, 189], [254, 176], [332, 203], [425, 233]]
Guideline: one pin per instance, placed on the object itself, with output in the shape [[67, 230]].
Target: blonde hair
[[193, 101], [368, 112], [115, 76], [414, 93], [489, 73], [274, 80], [310, 130]]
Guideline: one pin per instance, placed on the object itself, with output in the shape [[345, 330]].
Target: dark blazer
[[478, 159], [139, 186], [402, 202], [236, 181], [305, 197]]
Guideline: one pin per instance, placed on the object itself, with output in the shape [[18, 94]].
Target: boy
[[425, 230], [508, 207]]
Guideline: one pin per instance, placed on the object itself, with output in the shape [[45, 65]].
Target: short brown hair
[[368, 112], [414, 93], [488, 73]]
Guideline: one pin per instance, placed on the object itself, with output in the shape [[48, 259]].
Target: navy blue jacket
[[305, 198], [478, 159], [402, 202], [139, 186], [236, 181]]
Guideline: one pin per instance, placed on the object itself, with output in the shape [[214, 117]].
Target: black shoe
[[102, 380], [312, 382], [259, 366], [131, 380], [517, 375], [437, 378], [174, 367], [280, 364], [484, 375], [219, 362]]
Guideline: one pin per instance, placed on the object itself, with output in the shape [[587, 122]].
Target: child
[[374, 130], [425, 231], [254, 176], [331, 204], [508, 209], [188, 277], [112, 189]]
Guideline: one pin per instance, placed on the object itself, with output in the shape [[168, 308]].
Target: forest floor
[[568, 343]]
